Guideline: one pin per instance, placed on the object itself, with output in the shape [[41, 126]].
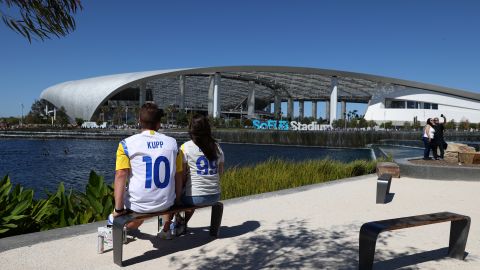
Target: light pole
[[21, 121]]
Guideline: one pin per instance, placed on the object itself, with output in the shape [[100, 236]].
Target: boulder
[[451, 153], [469, 158], [388, 167]]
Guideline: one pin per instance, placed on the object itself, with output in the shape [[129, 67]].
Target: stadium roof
[[82, 98]]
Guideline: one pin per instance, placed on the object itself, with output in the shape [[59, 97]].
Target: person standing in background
[[438, 138], [428, 133]]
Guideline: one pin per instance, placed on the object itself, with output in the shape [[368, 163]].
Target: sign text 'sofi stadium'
[[286, 125]]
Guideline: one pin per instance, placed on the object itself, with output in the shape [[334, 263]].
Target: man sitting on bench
[[146, 170]]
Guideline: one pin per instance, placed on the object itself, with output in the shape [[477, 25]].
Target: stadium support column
[[210, 95], [216, 96], [327, 110], [344, 110], [290, 108], [314, 109], [142, 93], [181, 80], [251, 99], [333, 100], [277, 106], [301, 109]]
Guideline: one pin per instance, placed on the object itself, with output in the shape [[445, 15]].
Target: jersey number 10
[[156, 172]]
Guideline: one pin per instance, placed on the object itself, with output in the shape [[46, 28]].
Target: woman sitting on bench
[[202, 160]]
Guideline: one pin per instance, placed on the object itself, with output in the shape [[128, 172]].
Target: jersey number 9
[[205, 167]]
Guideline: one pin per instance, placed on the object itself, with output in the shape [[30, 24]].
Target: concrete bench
[[460, 225], [120, 222], [383, 187], [388, 167]]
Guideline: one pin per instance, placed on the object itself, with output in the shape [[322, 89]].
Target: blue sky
[[428, 41]]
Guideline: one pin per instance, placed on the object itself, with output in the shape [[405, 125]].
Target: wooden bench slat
[[171, 210]]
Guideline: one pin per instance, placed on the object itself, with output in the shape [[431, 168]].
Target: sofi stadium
[[259, 91]]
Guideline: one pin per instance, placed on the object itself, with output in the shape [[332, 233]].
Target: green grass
[[279, 174]]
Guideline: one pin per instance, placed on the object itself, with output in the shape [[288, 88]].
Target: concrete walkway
[[314, 227]]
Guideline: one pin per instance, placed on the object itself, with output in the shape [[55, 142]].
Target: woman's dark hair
[[201, 134], [429, 122]]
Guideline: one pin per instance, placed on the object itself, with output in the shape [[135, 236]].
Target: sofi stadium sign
[[286, 125]]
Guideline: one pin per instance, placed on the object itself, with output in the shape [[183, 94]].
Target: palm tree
[[104, 109]]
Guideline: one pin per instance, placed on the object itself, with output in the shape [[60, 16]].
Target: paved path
[[310, 228]]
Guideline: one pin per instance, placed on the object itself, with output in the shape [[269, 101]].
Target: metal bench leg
[[388, 186], [458, 238], [117, 232], [366, 250], [216, 219], [382, 190]]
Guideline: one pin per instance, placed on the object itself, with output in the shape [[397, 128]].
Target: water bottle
[[110, 221]]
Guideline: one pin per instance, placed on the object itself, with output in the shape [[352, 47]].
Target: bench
[[460, 225], [120, 222], [383, 187]]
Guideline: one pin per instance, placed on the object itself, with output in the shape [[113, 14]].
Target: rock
[[460, 147], [469, 158], [451, 153], [388, 167]]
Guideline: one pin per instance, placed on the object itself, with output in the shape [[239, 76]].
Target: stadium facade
[[258, 91]]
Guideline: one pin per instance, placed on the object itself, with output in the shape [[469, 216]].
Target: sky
[[427, 41]]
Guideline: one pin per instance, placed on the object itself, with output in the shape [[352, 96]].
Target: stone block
[[453, 150], [388, 167], [469, 158]]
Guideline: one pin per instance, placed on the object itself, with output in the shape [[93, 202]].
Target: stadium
[[259, 91]]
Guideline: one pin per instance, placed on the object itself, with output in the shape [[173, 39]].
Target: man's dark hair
[[150, 116]]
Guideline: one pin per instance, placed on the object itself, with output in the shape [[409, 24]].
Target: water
[[43, 164]]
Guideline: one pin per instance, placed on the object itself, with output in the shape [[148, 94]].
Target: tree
[[37, 112], [104, 110], [450, 124], [416, 125], [338, 123], [362, 123], [407, 125], [372, 124], [464, 125], [40, 18], [387, 125], [182, 118], [474, 126], [62, 118], [79, 121]]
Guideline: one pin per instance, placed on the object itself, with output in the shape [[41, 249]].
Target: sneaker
[[181, 227], [166, 235]]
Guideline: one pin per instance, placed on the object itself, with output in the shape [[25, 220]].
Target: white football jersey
[[151, 185], [202, 174]]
